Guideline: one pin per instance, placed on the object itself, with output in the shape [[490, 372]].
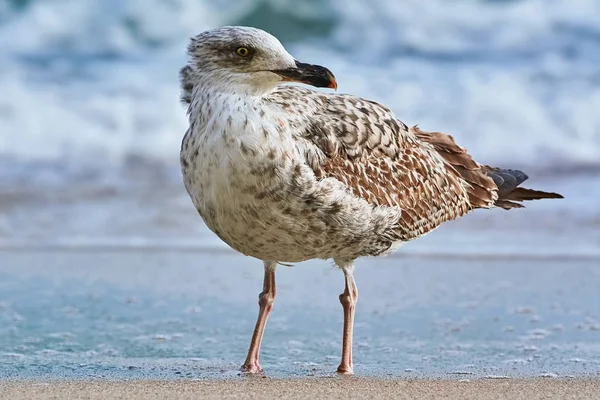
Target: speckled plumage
[[286, 174], [259, 191], [322, 175]]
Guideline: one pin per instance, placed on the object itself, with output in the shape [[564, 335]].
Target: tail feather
[[506, 180], [523, 194], [509, 194], [507, 205], [488, 186]]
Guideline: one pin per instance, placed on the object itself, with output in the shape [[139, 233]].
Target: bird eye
[[242, 51]]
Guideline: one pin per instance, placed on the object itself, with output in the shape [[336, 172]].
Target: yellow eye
[[242, 51]]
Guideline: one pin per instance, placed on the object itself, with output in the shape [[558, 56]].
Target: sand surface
[[167, 315], [329, 388]]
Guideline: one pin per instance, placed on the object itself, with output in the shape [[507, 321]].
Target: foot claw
[[251, 368], [344, 370]]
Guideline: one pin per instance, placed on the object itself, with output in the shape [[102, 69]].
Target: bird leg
[[265, 302], [348, 300]]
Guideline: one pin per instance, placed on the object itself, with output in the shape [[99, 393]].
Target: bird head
[[247, 60]]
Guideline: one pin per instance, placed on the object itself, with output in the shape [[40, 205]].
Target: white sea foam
[[514, 81]]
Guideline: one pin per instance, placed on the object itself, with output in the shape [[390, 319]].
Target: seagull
[[285, 173]]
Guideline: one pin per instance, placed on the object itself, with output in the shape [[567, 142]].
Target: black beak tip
[[314, 75], [318, 75]]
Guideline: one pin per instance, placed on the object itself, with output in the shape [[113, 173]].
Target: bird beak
[[313, 75]]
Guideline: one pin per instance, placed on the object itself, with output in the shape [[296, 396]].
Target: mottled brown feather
[[426, 174], [381, 160], [482, 190], [425, 195]]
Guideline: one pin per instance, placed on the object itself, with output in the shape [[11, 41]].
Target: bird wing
[[378, 158]]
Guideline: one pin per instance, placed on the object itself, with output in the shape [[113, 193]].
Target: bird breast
[[236, 163], [253, 188]]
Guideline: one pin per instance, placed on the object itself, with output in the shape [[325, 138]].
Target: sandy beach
[[165, 315], [329, 388]]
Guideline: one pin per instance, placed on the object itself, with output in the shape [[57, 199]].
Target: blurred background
[[106, 268], [90, 122]]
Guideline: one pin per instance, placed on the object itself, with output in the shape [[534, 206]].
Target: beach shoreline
[[330, 388], [144, 316]]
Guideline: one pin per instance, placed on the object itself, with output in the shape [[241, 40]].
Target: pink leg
[[348, 300], [265, 302]]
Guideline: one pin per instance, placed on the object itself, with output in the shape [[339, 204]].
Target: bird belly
[[258, 230], [265, 201], [251, 209]]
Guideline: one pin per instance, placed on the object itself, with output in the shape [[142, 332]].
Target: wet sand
[[167, 315], [329, 388]]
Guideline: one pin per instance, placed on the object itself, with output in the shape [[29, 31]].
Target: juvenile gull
[[287, 174]]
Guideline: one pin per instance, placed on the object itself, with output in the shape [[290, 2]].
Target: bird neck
[[209, 102], [236, 84]]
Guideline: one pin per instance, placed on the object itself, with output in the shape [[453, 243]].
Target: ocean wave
[[516, 82]]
